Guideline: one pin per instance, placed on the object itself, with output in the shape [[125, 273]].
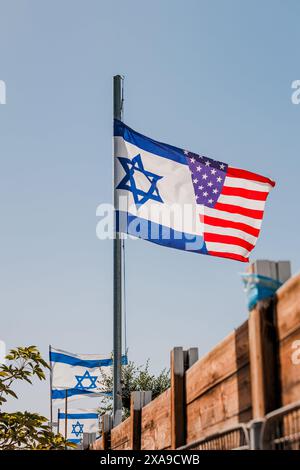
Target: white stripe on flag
[[230, 232], [256, 223], [242, 202], [227, 248], [247, 184]]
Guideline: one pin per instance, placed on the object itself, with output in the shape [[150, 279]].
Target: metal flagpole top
[[118, 98]]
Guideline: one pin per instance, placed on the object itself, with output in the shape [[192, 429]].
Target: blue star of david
[[86, 375], [77, 429], [128, 182]]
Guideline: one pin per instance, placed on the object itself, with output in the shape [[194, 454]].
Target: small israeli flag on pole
[[78, 421]]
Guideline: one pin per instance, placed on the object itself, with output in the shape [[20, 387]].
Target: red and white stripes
[[232, 227]]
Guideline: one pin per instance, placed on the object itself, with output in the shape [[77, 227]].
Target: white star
[[197, 196], [204, 176], [215, 191], [222, 166], [205, 194], [213, 171], [207, 163], [198, 168], [193, 160], [219, 179], [209, 184], [195, 180], [210, 201], [200, 187], [185, 152]]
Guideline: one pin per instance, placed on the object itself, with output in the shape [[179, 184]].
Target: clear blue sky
[[211, 76]]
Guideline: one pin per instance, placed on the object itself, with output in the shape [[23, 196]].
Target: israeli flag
[[78, 422], [155, 194], [78, 376]]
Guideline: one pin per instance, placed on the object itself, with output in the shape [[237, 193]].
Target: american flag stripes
[[233, 206]]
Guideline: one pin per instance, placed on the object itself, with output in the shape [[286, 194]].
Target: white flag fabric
[[78, 376], [78, 421]]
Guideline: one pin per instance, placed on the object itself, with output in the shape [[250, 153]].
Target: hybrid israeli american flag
[[222, 206]]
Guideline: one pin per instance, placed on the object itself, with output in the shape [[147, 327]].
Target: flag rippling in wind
[[80, 374], [78, 422], [176, 198]]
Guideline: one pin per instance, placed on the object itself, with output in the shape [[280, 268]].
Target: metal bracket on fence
[[281, 428], [232, 438], [255, 428]]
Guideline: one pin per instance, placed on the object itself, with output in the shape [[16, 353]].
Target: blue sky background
[[211, 76]]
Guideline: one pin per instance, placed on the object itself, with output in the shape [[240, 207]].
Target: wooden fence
[[250, 373]]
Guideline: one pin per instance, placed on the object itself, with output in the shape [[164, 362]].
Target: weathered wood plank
[[107, 424], [288, 307], [178, 408], [138, 400], [156, 423], [97, 445], [265, 380], [226, 403], [120, 436], [256, 363], [290, 368], [229, 355]]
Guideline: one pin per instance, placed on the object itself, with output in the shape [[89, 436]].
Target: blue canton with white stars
[[208, 178]]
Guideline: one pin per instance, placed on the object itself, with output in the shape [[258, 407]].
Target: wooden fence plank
[[288, 307], [177, 398], [289, 354], [265, 382], [138, 401], [229, 402], [229, 355], [120, 436], [107, 424], [156, 423]]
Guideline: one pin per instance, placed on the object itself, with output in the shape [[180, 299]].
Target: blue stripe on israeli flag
[[75, 393], [78, 415], [75, 360], [159, 234], [79, 421], [78, 376], [146, 143]]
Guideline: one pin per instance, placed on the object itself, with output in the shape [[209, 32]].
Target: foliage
[[24, 364], [24, 430], [134, 378], [27, 431]]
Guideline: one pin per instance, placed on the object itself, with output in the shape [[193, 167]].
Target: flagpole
[[51, 406], [66, 414], [58, 411], [117, 274]]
